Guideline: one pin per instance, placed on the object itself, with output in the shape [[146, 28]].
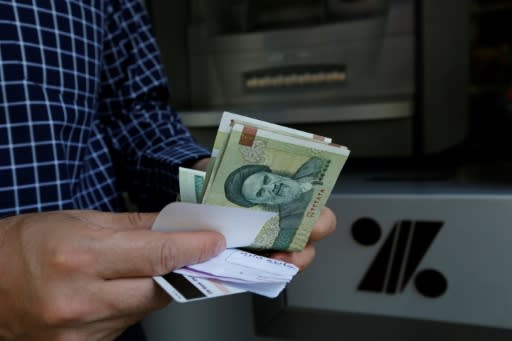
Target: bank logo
[[398, 259]]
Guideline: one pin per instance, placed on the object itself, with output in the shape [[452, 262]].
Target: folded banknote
[[268, 167]]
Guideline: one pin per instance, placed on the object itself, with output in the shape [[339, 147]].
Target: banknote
[[224, 130], [264, 170], [191, 184]]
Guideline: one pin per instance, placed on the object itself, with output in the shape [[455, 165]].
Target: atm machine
[[412, 259], [420, 253]]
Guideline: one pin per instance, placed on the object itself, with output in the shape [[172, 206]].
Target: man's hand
[[201, 164], [325, 225], [86, 275]]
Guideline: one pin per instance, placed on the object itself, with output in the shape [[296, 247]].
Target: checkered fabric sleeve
[[148, 137], [83, 108]]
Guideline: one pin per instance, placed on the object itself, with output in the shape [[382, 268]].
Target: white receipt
[[242, 266], [232, 271], [240, 226]]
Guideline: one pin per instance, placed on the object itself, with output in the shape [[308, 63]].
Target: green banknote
[[224, 130], [262, 169], [191, 184]]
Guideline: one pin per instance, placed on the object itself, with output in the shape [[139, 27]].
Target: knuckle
[[58, 311], [133, 218], [168, 256], [306, 257], [65, 258], [136, 219]]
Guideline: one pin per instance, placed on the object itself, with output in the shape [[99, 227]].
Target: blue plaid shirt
[[84, 109]]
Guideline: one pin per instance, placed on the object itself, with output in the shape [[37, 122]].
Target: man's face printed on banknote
[[272, 189]]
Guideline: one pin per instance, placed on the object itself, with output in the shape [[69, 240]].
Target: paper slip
[[267, 289], [233, 263], [233, 271], [239, 226]]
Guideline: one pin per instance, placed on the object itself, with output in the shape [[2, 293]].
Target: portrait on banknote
[[289, 194]]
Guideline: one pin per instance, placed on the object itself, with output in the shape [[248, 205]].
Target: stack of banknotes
[[256, 168]]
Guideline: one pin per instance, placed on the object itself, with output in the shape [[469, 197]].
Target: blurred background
[[421, 92]]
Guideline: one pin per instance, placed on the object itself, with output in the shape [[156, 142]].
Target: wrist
[[201, 164]]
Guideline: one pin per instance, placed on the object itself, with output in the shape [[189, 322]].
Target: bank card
[[184, 288], [232, 271]]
